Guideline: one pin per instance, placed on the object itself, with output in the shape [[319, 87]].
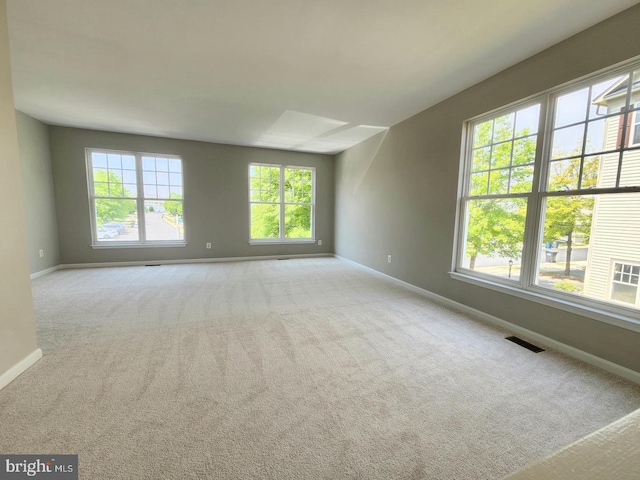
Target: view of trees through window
[[503, 159], [116, 191], [587, 195], [281, 202]]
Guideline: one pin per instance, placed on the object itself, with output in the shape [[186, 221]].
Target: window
[[135, 198], [635, 135], [501, 174], [282, 203], [547, 185], [624, 285]]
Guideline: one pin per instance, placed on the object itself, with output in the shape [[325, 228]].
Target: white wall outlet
[[41, 253], [319, 242], [389, 258], [208, 244]]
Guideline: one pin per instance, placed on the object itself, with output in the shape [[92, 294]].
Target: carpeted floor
[[310, 368]]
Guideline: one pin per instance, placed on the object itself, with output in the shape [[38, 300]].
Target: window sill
[[282, 242], [103, 246], [619, 320]]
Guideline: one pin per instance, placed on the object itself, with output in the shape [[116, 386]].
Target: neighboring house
[[613, 265]]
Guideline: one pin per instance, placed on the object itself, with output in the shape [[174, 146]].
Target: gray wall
[[37, 179], [216, 204], [17, 325], [396, 193]]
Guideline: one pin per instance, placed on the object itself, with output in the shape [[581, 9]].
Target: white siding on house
[[615, 229], [615, 235], [630, 174]]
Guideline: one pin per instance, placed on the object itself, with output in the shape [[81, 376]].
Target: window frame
[[635, 126], [465, 196], [526, 286], [140, 199], [613, 281], [282, 205]]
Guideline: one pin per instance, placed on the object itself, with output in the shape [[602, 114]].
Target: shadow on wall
[[355, 174]]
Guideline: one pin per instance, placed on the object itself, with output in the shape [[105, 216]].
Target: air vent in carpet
[[525, 344], [283, 259], [153, 265]]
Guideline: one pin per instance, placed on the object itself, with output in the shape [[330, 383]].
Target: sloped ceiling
[[317, 76]]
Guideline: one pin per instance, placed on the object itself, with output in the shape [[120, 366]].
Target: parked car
[[118, 227], [105, 234]]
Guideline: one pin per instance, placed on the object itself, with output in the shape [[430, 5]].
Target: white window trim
[[283, 240], [275, 241], [526, 287], [140, 199], [549, 298], [635, 123]]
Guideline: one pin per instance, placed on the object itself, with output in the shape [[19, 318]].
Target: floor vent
[[525, 344], [153, 265], [283, 259]]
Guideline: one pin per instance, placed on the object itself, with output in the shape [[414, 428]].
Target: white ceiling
[[311, 75]]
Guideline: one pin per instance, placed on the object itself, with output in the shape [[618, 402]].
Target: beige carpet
[[309, 368]]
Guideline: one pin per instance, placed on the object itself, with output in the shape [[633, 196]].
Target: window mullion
[[142, 233], [533, 224], [625, 122], [585, 137], [92, 197], [528, 262], [282, 209], [313, 204]]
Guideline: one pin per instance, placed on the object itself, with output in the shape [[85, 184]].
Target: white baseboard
[[190, 260], [524, 332], [44, 272], [13, 373]]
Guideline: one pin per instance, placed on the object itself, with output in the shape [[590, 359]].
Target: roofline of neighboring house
[[614, 91]]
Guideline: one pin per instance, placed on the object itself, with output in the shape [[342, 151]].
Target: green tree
[[568, 215], [265, 187], [173, 207], [108, 184], [496, 226], [297, 190]]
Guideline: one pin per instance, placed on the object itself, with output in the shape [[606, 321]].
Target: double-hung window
[[282, 200], [550, 197], [135, 198]]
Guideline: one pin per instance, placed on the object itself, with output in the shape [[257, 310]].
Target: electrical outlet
[[389, 258], [320, 243], [208, 244], [41, 253]]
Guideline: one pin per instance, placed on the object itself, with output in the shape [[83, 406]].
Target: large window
[[282, 203], [135, 198], [551, 196]]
